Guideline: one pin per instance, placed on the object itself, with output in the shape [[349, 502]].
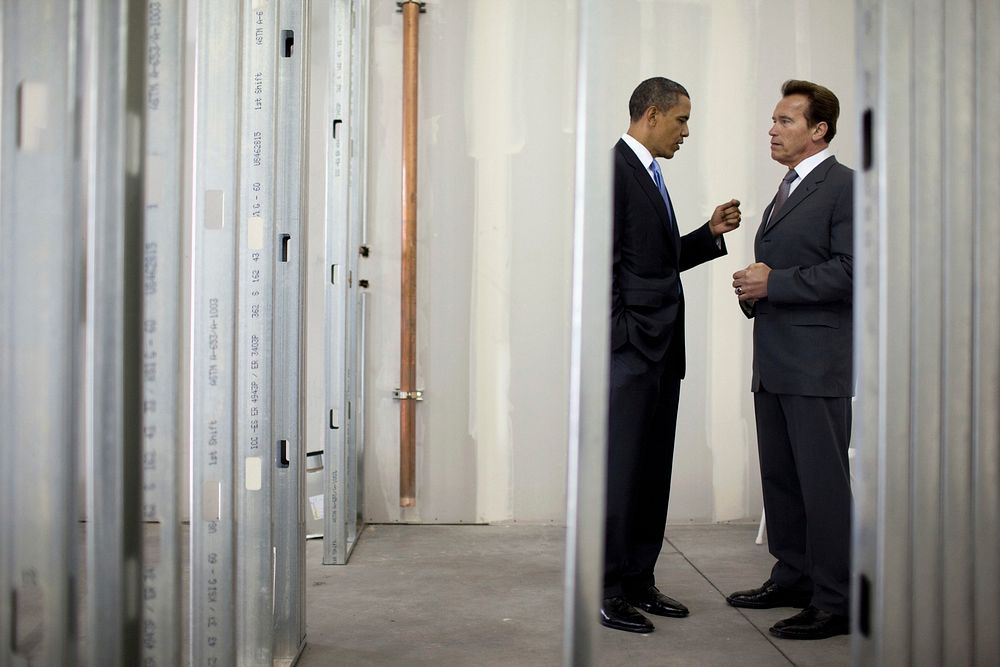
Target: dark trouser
[[806, 480], [641, 421]]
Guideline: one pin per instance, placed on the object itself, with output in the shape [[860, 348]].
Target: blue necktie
[[658, 179]]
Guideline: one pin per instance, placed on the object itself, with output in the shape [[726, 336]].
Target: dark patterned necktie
[[783, 190]]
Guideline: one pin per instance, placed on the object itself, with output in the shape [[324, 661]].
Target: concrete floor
[[492, 595]]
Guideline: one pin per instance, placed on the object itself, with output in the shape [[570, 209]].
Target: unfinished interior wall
[[497, 91]]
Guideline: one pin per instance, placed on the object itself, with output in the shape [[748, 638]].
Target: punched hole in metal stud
[[284, 240]]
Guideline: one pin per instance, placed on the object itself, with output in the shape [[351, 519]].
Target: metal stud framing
[[247, 552], [257, 245], [288, 457], [589, 347], [165, 324], [41, 274], [358, 233], [150, 254], [341, 60], [112, 46], [927, 543], [214, 314]]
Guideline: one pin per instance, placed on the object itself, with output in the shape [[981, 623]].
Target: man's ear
[[819, 132], [651, 114]]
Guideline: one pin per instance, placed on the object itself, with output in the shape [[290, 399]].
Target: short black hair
[[659, 92], [823, 107]]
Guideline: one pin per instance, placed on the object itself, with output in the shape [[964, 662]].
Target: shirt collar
[[803, 168], [641, 152]]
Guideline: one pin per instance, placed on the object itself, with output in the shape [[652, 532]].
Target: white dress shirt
[[641, 152], [803, 168]]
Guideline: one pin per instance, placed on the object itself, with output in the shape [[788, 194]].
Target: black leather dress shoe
[[652, 601], [618, 614], [804, 617], [768, 596], [811, 623]]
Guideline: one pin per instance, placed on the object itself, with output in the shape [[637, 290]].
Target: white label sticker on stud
[[316, 505], [211, 500], [133, 143], [156, 170], [255, 233], [215, 209], [254, 470], [33, 118]]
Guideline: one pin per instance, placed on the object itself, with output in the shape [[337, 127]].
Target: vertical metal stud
[[926, 551], [337, 77], [41, 291], [288, 519], [358, 194], [335, 457], [957, 257], [589, 345], [360, 55], [882, 264], [112, 46], [257, 242], [986, 339], [926, 396], [165, 330], [218, 91], [357, 518], [866, 338]]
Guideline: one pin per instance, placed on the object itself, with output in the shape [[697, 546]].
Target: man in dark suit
[[798, 293], [647, 349]]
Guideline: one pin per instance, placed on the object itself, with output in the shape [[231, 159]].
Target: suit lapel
[[641, 175], [812, 182], [763, 222]]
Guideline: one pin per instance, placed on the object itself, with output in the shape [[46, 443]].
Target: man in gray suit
[[798, 292]]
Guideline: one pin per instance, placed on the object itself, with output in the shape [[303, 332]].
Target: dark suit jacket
[[803, 330], [647, 305]]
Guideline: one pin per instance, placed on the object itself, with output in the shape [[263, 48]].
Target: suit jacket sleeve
[[699, 246], [829, 281]]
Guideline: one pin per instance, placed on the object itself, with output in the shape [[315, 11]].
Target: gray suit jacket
[[803, 331]]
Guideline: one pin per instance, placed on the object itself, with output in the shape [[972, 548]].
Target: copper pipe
[[408, 305]]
